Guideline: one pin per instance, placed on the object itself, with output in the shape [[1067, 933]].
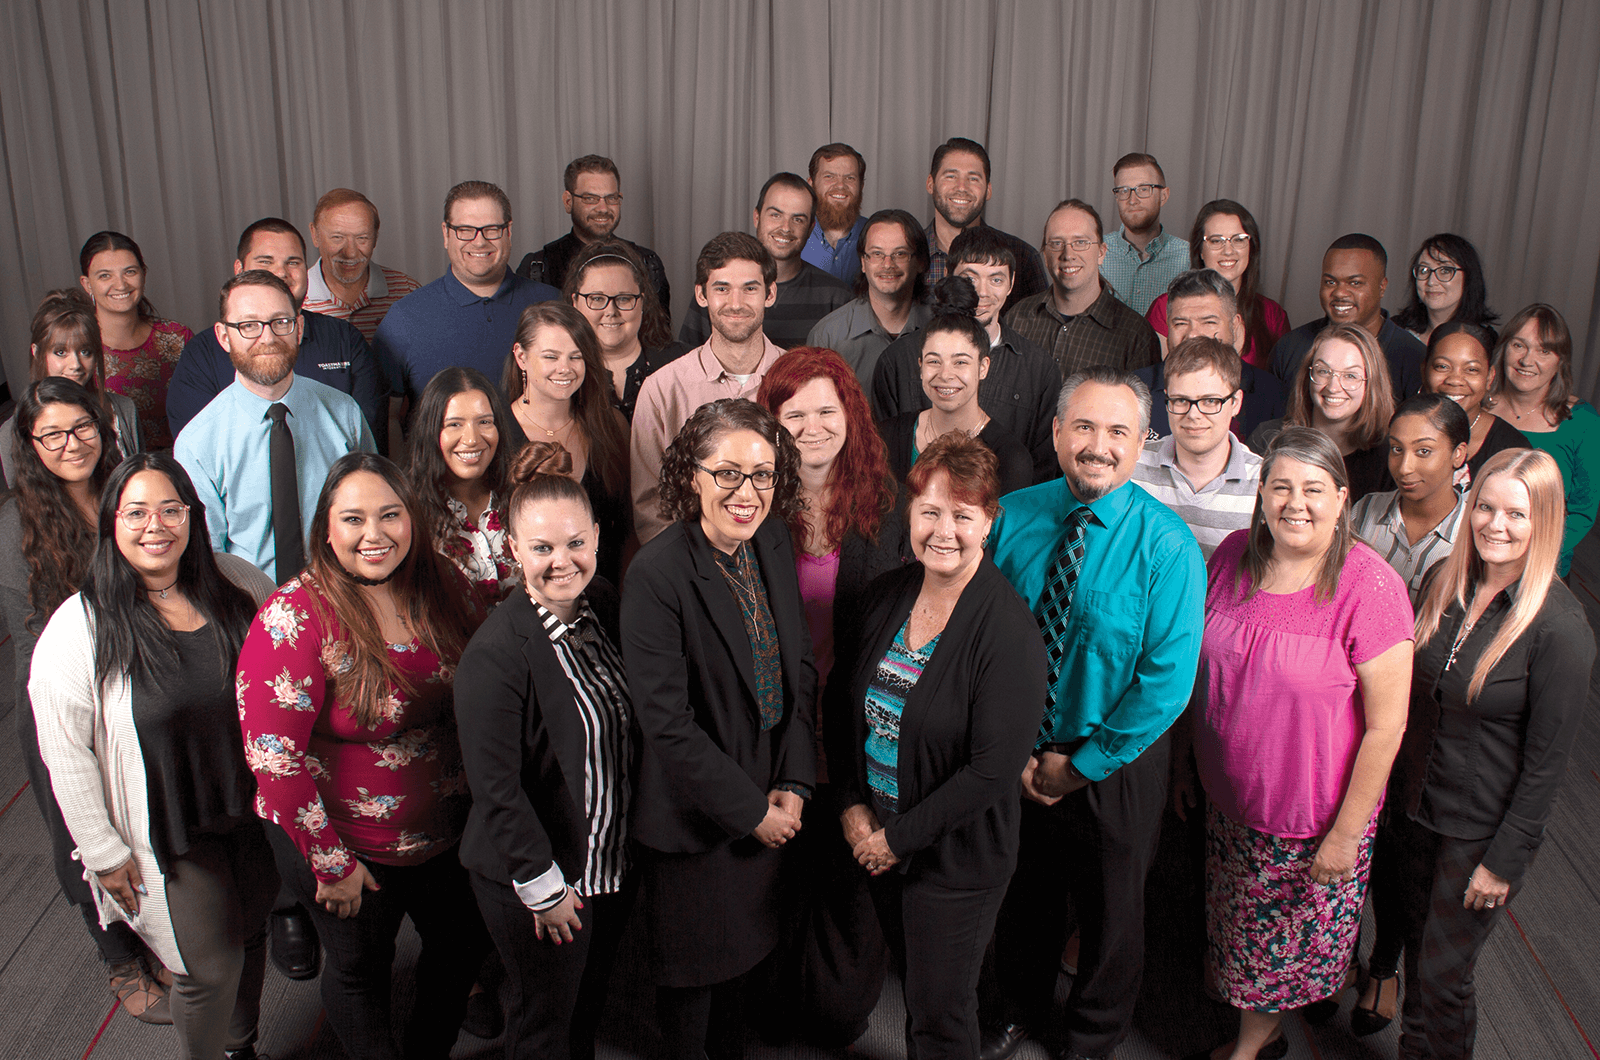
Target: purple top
[[1280, 718], [819, 577]]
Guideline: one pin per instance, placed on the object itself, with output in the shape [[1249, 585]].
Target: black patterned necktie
[[288, 541], [1055, 608]]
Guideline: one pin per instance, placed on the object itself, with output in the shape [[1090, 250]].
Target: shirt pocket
[[1110, 624]]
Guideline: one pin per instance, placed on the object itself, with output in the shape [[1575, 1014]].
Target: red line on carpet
[[103, 1025], [15, 797], [1551, 980]]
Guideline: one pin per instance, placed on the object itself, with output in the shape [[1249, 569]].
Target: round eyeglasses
[[170, 516]]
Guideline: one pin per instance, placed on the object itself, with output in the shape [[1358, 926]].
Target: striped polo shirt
[[1376, 520], [1216, 509], [385, 287]]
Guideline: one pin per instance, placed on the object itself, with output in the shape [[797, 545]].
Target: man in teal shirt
[[1123, 664]]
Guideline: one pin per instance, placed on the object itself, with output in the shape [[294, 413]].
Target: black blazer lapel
[[712, 586], [558, 711]]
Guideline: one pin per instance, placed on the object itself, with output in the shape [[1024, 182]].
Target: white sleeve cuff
[[544, 892]]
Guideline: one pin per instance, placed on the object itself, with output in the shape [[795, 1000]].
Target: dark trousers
[[556, 993], [1386, 890], [1442, 938], [938, 936], [1095, 847], [360, 952]]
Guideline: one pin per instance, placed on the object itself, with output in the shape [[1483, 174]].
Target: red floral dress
[[396, 793], [143, 374], [478, 549]]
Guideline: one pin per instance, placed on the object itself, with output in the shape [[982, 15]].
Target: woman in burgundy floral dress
[[345, 702]]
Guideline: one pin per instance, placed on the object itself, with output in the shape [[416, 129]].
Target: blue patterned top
[[897, 674]]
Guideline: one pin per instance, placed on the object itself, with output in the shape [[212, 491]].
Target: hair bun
[[540, 458], [955, 295]]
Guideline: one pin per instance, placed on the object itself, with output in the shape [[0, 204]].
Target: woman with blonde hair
[[1503, 657]]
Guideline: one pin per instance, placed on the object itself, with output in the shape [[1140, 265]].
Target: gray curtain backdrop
[[181, 121]]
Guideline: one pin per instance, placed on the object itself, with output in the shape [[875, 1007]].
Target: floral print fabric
[[142, 376], [395, 794], [478, 549]]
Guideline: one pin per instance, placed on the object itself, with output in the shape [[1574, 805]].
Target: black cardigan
[[524, 746], [967, 730], [706, 767], [1016, 465]]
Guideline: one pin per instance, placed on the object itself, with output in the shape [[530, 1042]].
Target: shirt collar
[[317, 289], [1156, 245], [1107, 510], [1445, 531], [1234, 471], [460, 295], [715, 372], [582, 625], [254, 401]]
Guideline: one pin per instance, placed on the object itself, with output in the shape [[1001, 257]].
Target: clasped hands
[[782, 820], [1049, 776], [868, 844]]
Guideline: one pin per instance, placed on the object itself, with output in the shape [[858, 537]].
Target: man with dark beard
[[227, 449], [838, 173], [958, 181]]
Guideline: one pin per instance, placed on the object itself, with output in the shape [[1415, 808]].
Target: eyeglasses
[[467, 233], [1178, 406], [1224, 242], [597, 301], [87, 431], [171, 516], [729, 479], [1079, 246], [1143, 191], [1349, 381], [878, 257], [596, 200], [1444, 273], [251, 329]]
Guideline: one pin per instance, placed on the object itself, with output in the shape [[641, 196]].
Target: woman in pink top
[[1297, 717]]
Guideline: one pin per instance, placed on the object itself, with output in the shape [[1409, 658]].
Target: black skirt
[[711, 916]]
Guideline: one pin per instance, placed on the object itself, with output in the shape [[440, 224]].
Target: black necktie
[[1055, 608], [290, 547]]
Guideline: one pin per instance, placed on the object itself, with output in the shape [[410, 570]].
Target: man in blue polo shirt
[[469, 315], [1119, 587]]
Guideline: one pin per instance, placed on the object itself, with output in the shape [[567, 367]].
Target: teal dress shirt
[[1138, 613], [1139, 279]]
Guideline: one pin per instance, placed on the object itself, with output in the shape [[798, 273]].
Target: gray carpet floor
[[1538, 988]]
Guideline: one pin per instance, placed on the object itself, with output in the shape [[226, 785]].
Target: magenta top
[[819, 577], [1278, 717], [1272, 315]]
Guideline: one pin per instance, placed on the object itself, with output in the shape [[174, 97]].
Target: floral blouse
[[395, 794], [478, 549], [142, 376]]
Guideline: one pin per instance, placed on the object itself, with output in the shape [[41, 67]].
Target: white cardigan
[[88, 740]]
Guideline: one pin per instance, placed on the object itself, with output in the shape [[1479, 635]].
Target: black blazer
[[523, 745], [1016, 464], [967, 730], [706, 767]]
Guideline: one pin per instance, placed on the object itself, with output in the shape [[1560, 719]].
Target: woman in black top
[[1449, 287], [1504, 654], [542, 708], [138, 724], [1458, 366], [607, 283], [724, 686], [947, 682]]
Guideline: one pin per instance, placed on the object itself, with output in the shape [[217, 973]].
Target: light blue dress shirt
[[842, 262], [1138, 615], [227, 451]]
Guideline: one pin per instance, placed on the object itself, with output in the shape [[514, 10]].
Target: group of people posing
[[846, 633]]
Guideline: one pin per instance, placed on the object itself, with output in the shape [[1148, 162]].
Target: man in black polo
[[958, 182]]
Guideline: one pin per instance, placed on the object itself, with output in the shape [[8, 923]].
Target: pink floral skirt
[[1278, 939]]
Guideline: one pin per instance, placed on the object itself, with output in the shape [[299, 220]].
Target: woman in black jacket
[[946, 691], [724, 687], [543, 712]]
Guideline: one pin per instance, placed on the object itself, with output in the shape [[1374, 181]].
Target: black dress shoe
[[1365, 1021], [999, 1043], [295, 948]]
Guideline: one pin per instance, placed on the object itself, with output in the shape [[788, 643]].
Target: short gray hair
[[1106, 375], [1203, 283]]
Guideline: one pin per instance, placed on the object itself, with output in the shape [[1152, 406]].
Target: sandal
[[1365, 1021], [139, 993]]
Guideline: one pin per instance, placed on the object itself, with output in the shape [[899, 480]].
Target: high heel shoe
[[1365, 1021]]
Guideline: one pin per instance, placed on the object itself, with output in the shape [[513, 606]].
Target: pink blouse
[[1278, 717]]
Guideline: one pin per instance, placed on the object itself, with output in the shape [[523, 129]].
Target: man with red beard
[[958, 181], [227, 449], [735, 283], [838, 173]]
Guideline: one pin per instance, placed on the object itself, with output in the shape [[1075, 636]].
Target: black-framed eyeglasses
[[598, 302], [731, 479], [1078, 246], [1239, 241], [1444, 273], [1178, 406], [54, 441], [170, 516], [596, 200], [1143, 191], [467, 233], [251, 329]]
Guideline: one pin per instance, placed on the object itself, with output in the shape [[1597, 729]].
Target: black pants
[[360, 951], [557, 993], [1096, 847]]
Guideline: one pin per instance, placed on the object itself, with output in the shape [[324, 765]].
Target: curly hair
[[655, 324], [699, 437], [860, 485], [431, 477]]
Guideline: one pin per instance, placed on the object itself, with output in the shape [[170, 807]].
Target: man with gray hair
[[1118, 585]]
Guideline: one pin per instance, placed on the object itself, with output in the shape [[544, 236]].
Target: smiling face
[[1338, 398], [731, 516], [1442, 297], [1231, 259], [993, 283], [597, 218], [1458, 368], [279, 253], [1300, 506], [886, 258], [115, 281], [369, 528], [1098, 438], [815, 416], [345, 236], [1196, 432], [1421, 459], [1530, 365], [479, 261], [960, 188], [267, 359], [1352, 288], [554, 541], [951, 370], [75, 461], [65, 356], [154, 551], [946, 534], [553, 362], [1501, 523], [783, 223], [468, 438], [838, 188], [1072, 271], [1202, 315], [617, 330], [736, 299]]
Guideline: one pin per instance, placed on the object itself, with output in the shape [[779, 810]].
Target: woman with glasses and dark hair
[[1447, 285], [345, 700], [138, 726], [140, 349], [607, 282], [1225, 238], [723, 682], [1458, 366], [1530, 386]]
